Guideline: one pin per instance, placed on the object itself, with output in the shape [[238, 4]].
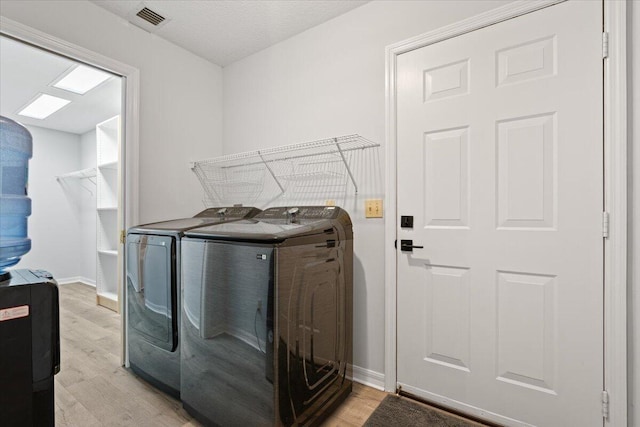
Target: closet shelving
[[320, 168], [108, 143]]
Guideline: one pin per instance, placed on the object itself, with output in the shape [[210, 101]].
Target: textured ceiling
[[224, 31], [26, 71]]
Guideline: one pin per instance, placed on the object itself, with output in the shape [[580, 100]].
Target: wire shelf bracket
[[346, 165], [275, 177]]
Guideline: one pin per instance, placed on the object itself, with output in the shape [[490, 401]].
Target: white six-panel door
[[500, 154]]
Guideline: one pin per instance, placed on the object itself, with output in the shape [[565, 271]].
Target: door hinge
[[605, 45], [122, 236], [605, 404], [605, 225]]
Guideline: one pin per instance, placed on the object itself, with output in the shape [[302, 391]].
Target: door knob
[[408, 246]]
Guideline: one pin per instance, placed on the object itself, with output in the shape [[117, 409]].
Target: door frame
[[128, 185], [615, 190]]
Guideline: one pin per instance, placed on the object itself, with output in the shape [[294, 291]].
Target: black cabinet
[[29, 348]]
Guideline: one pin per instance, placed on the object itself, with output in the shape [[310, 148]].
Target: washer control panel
[[228, 212], [300, 212]]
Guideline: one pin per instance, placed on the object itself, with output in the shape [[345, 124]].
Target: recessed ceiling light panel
[[43, 106], [82, 79]]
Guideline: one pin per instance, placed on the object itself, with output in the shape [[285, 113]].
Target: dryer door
[[151, 289]]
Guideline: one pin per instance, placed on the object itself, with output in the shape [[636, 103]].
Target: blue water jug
[[16, 148]]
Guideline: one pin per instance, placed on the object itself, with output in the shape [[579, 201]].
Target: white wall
[[88, 210], [330, 81], [633, 43], [180, 97], [53, 224]]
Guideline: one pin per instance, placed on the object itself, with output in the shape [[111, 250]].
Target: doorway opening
[[75, 174]]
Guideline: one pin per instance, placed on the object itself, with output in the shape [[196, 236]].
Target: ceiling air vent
[[150, 16], [147, 19]]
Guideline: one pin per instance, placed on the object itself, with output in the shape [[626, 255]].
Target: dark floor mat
[[398, 411]]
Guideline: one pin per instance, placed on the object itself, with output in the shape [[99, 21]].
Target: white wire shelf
[[84, 173], [89, 174], [312, 176], [321, 167]]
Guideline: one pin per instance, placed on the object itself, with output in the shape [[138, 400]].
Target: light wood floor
[[92, 389]]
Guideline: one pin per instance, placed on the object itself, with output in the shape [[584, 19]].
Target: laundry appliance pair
[[266, 317]]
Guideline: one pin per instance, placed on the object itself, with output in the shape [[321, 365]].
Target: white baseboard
[[76, 279], [368, 377]]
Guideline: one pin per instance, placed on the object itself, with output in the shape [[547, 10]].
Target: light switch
[[373, 208]]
